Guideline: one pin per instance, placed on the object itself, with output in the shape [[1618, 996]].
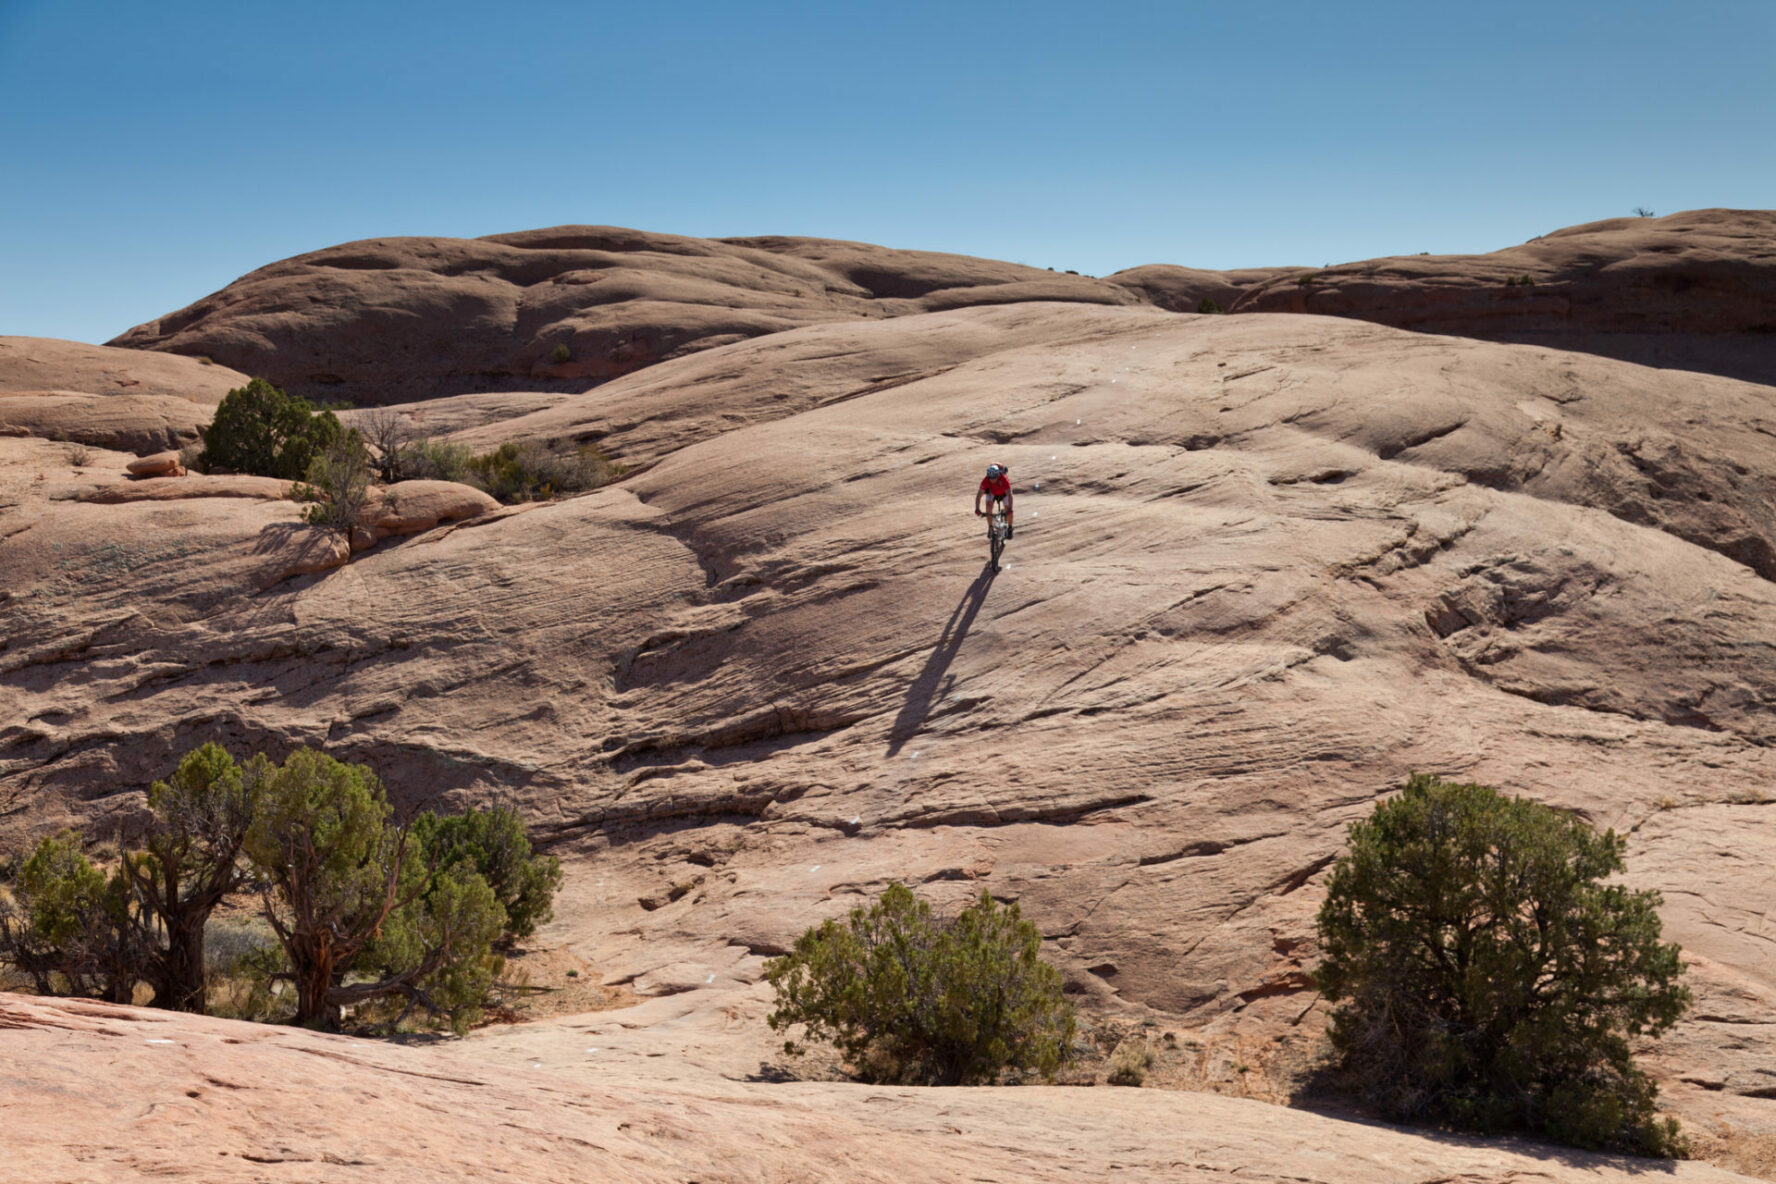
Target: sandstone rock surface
[[142, 1095], [391, 320], [127, 423], [1266, 566], [51, 364], [410, 507], [395, 320], [160, 464], [196, 485], [121, 399], [1693, 291]]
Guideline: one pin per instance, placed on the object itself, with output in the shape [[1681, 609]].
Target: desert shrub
[[69, 928], [526, 471], [435, 952], [338, 485], [1130, 1062], [436, 460], [227, 941], [1642, 212], [242, 964], [909, 998], [189, 861], [493, 844], [1205, 305], [358, 914], [1486, 977], [388, 434], [561, 353], [259, 429]]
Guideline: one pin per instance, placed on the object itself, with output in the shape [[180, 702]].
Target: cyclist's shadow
[[932, 681]]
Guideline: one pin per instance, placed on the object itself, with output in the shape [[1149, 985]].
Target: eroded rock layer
[[389, 320], [562, 309], [141, 1095], [1692, 291], [1265, 567]]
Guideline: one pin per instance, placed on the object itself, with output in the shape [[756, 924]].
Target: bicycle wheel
[[996, 536]]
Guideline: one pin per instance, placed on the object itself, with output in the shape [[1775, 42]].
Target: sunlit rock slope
[[1265, 566], [143, 1095]]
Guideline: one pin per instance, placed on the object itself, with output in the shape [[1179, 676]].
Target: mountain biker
[[996, 487]]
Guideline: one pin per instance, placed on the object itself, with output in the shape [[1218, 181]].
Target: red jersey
[[999, 486]]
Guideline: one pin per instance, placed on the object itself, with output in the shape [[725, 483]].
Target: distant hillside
[[1692, 291], [391, 320], [563, 309]]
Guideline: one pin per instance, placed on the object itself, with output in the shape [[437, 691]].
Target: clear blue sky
[[154, 152]]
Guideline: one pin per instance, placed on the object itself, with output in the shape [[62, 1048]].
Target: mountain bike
[[996, 531]]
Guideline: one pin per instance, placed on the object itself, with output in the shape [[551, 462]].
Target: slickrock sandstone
[[129, 400], [445, 415], [409, 507], [50, 364], [128, 423], [393, 320], [141, 1095], [390, 320], [1266, 566], [160, 464], [1693, 291], [194, 487]]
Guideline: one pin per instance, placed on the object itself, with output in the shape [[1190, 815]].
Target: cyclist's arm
[[977, 497]]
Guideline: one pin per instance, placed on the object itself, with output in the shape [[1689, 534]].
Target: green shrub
[[190, 861], [526, 471], [1205, 305], [493, 844], [1130, 1062], [69, 928], [242, 961], [358, 914], [436, 460], [911, 999], [260, 430], [435, 950], [338, 485], [516, 471], [1487, 977], [561, 353], [228, 941]]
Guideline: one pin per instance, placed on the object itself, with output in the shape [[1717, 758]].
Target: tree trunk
[[179, 985], [314, 983]]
